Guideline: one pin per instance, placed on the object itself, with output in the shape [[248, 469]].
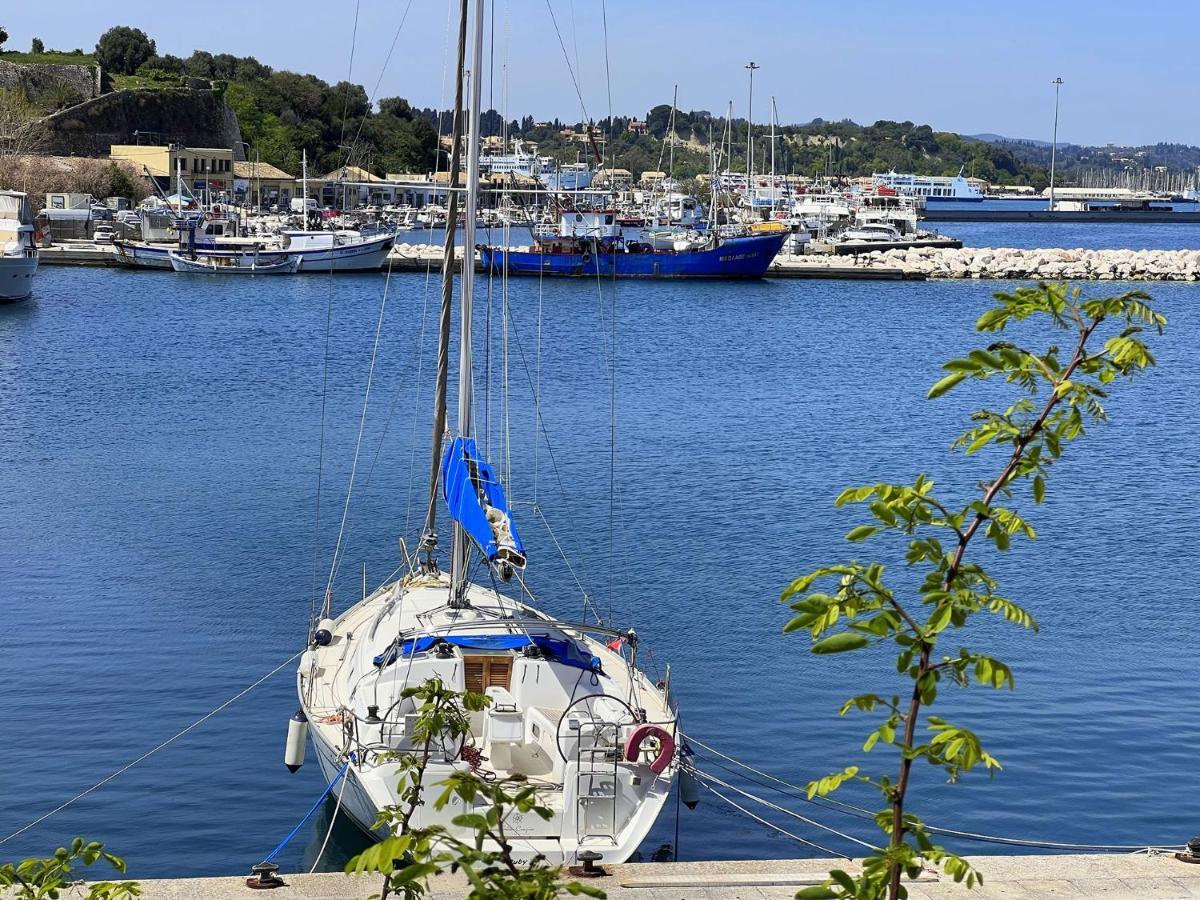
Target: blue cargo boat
[[591, 244]]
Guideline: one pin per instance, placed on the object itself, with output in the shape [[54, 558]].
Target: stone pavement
[[1113, 877]]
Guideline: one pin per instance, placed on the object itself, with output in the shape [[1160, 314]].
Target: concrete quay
[[1113, 876]]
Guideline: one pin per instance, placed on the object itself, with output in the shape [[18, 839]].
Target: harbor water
[[161, 437]]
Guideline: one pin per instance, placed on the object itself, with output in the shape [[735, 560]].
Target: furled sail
[[477, 502]]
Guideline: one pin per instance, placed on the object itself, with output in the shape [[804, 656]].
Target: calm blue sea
[[160, 437]]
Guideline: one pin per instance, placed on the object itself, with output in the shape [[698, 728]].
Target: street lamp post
[[1058, 83], [749, 125]]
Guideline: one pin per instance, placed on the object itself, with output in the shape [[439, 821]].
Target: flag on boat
[[477, 502]]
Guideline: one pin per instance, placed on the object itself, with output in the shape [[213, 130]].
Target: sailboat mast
[[461, 547], [304, 179], [429, 532]]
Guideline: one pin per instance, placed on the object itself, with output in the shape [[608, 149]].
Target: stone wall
[[50, 84], [189, 117]]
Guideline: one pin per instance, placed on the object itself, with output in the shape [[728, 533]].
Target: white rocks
[[1051, 264]]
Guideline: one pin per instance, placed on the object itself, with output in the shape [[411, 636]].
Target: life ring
[[587, 257], [666, 746]]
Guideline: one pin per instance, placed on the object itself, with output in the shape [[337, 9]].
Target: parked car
[[104, 234]]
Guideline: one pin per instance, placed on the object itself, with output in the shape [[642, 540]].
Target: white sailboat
[[570, 713], [18, 250]]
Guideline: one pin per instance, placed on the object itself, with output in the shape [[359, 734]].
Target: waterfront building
[[206, 172], [261, 185]]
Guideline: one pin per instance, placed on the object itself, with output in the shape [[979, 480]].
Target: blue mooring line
[[308, 815]]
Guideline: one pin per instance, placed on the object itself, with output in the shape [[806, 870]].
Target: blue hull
[[743, 257]]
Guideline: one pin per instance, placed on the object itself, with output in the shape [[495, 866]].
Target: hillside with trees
[[283, 114]]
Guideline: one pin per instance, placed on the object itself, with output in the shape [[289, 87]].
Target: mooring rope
[[125, 768], [861, 812], [308, 815]]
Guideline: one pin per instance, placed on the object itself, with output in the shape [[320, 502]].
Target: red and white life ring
[[666, 746]]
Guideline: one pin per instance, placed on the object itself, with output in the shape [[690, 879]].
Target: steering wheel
[[588, 701]]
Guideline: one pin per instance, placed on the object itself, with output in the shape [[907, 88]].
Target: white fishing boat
[[316, 251], [18, 248], [571, 714], [240, 264]]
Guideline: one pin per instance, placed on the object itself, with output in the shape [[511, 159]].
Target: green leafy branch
[[48, 878], [848, 606], [411, 854]]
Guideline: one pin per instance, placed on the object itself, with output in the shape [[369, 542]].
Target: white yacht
[[18, 249], [570, 712], [862, 234]]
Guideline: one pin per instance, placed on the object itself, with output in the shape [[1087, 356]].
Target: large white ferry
[[934, 188]]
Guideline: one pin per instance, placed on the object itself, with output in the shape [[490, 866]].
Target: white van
[[300, 205]]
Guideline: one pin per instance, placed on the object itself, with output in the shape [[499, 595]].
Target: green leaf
[[950, 381], [840, 643], [816, 892], [1039, 489], [861, 533]]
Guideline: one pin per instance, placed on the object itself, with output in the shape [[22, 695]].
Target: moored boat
[[250, 264], [18, 249], [591, 243], [568, 713]]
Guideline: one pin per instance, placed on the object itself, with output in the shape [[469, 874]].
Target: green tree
[[848, 606], [122, 49], [3, 36], [36, 46], [411, 854], [47, 879]]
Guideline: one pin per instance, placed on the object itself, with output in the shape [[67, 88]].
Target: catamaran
[[571, 714]]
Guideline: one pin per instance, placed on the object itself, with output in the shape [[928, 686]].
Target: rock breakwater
[[1015, 263]]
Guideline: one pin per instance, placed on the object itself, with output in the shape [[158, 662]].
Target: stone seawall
[[194, 118], [1009, 263], [49, 83]]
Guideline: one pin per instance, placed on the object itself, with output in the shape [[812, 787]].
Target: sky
[[965, 66]]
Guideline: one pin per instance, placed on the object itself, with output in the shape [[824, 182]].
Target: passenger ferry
[[931, 187]]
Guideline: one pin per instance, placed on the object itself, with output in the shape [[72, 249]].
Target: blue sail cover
[[477, 502], [561, 650]]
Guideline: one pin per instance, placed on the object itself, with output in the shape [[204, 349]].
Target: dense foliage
[[123, 50]]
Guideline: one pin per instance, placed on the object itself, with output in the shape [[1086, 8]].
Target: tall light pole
[[749, 123], [1057, 82]]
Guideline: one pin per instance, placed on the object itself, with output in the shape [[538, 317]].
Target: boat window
[[608, 220]]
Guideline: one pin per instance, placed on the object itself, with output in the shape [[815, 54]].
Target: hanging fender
[[666, 746]]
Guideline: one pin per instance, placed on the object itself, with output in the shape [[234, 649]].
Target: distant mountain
[[1001, 139]]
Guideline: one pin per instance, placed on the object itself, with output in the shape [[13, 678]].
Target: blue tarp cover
[[562, 650], [468, 483]]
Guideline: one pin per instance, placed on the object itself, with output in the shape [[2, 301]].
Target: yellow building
[[206, 172]]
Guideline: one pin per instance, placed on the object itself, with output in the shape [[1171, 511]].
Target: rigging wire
[[339, 546], [567, 60], [312, 618], [172, 739]]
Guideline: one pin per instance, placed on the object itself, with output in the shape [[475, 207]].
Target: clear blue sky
[[962, 66]]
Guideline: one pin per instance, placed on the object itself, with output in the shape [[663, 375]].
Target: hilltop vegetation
[[284, 114]]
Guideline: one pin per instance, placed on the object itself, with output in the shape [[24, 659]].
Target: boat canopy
[[562, 649], [477, 502]]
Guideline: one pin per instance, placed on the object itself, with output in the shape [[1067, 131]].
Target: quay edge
[[1031, 877]]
